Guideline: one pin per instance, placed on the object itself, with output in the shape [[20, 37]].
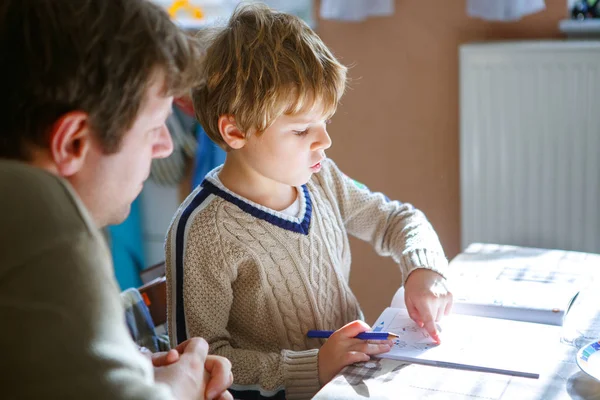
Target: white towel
[[503, 10], [355, 10]]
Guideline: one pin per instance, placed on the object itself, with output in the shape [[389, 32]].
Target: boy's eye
[[301, 133]]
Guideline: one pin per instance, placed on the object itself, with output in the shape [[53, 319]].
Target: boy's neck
[[256, 188]]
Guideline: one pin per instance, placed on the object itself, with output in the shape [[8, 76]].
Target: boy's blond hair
[[264, 64]]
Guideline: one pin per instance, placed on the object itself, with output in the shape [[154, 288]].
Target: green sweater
[[63, 329], [252, 281]]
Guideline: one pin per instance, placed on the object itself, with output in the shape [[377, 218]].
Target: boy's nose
[[323, 141]]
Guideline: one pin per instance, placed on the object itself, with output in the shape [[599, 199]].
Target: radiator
[[530, 144]]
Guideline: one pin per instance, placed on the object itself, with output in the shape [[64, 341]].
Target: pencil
[[363, 335]]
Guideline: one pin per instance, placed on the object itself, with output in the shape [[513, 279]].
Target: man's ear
[[70, 141], [230, 133]]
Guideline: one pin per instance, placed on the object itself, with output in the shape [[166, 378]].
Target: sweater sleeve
[[210, 283], [393, 228]]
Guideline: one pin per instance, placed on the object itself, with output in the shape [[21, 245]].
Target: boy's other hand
[[343, 349], [427, 299]]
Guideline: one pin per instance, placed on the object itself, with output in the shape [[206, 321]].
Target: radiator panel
[[530, 144]]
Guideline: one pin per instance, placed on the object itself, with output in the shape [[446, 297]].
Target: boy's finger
[[440, 313], [413, 313], [371, 348], [356, 356], [352, 329], [386, 341], [428, 321], [448, 308], [431, 328]]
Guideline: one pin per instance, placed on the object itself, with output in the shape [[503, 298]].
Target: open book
[[472, 343]]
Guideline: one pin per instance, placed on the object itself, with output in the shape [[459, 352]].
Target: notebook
[[517, 283], [474, 343]]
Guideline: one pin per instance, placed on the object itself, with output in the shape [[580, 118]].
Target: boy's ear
[[230, 133], [70, 141]]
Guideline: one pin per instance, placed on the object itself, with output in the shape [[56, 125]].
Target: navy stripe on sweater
[[181, 329]]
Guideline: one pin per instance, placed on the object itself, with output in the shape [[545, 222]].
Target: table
[[560, 379], [390, 379]]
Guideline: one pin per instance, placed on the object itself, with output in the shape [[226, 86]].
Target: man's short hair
[[261, 65], [95, 56]]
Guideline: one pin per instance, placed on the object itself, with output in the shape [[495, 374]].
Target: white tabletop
[[389, 379]]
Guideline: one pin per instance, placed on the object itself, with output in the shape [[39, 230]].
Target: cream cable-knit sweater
[[253, 281]]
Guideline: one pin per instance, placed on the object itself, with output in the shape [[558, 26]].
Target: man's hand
[[221, 378], [427, 299], [187, 377], [217, 372], [161, 358]]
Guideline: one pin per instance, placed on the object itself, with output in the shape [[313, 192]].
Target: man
[[86, 88]]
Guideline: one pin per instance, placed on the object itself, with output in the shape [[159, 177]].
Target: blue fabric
[[127, 248], [140, 324], [208, 156]]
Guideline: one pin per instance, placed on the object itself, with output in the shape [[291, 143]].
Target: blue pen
[[362, 335]]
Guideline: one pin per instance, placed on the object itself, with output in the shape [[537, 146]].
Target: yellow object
[[195, 12]]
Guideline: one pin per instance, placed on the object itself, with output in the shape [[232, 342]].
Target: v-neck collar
[[298, 224]]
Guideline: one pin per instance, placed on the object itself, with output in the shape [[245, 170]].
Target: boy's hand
[[427, 299], [343, 349]]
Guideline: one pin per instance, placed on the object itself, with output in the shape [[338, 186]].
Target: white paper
[[473, 343]]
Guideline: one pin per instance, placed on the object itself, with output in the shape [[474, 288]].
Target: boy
[[259, 254]]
